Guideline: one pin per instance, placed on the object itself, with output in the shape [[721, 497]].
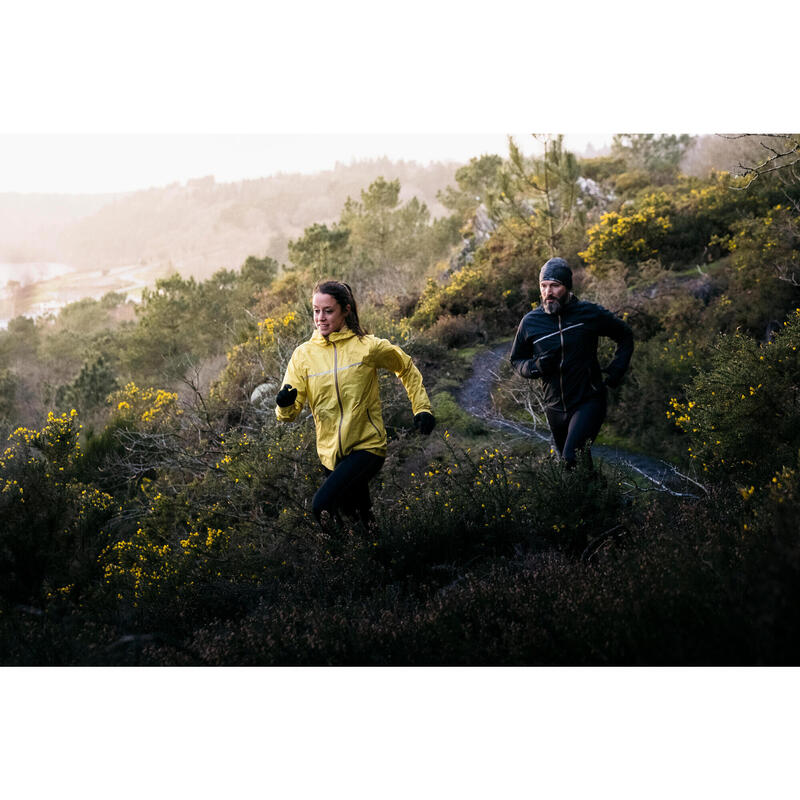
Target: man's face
[[554, 295]]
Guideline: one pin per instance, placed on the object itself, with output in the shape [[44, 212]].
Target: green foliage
[[661, 364], [258, 273], [261, 358], [8, 391], [601, 168], [90, 389], [477, 181], [766, 265], [684, 223], [19, 343], [542, 194], [450, 416], [211, 541], [53, 525], [656, 154], [629, 237], [740, 415], [392, 244], [497, 288], [322, 251], [143, 409]]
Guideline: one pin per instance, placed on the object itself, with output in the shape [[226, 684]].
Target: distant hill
[[31, 224], [200, 226]]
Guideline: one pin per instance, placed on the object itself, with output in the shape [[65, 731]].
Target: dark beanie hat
[[556, 269]]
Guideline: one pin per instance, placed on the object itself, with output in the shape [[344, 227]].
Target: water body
[[32, 272]]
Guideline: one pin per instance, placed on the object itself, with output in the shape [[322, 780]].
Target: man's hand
[[286, 396], [548, 363], [424, 422]]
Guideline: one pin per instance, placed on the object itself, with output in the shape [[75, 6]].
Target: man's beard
[[552, 306]]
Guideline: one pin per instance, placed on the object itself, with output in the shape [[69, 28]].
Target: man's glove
[[286, 396], [613, 380], [548, 363], [424, 422]]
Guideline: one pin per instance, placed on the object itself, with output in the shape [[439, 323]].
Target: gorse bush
[[261, 358], [765, 260], [206, 530], [629, 237], [740, 415], [53, 525]]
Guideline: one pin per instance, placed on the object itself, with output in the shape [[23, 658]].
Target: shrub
[[629, 237], [53, 524], [261, 358], [454, 332], [766, 262], [740, 415]]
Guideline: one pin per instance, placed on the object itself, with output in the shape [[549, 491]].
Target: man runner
[[557, 342]]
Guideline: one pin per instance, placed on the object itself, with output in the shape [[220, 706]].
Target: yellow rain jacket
[[338, 378]]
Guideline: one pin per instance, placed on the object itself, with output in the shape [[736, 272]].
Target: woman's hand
[[286, 396], [424, 422]]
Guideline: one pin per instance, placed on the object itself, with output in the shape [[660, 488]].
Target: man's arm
[[618, 330], [522, 354]]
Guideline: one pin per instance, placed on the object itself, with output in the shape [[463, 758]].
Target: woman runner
[[335, 372]]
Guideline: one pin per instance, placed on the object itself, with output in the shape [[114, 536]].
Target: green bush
[[740, 415], [54, 526]]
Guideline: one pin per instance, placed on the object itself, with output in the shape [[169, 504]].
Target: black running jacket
[[561, 349]]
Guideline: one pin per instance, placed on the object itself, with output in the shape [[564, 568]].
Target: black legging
[[346, 488], [573, 429]]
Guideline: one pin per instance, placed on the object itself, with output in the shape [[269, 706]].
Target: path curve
[[475, 397]]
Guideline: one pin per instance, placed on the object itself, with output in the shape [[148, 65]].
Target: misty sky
[[93, 163]]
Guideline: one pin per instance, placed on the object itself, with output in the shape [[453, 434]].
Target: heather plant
[[482, 503]]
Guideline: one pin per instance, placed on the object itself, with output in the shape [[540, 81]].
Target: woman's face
[[328, 314]]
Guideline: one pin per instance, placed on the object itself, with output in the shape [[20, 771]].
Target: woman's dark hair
[[343, 295]]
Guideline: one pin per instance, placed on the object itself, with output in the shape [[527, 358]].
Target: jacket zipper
[[338, 396], [561, 365]]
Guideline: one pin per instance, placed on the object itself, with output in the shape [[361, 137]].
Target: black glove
[[613, 380], [548, 363], [286, 396], [424, 422]]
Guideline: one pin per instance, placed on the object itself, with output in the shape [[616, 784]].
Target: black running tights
[[573, 429], [346, 488]]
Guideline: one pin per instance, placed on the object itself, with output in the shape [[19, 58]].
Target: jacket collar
[[336, 336]]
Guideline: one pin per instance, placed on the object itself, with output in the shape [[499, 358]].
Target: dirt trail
[[475, 397]]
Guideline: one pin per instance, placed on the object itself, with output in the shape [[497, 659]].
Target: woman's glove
[[286, 396], [424, 422]]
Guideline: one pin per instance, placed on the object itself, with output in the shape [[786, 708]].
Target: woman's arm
[[295, 377], [386, 355]]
